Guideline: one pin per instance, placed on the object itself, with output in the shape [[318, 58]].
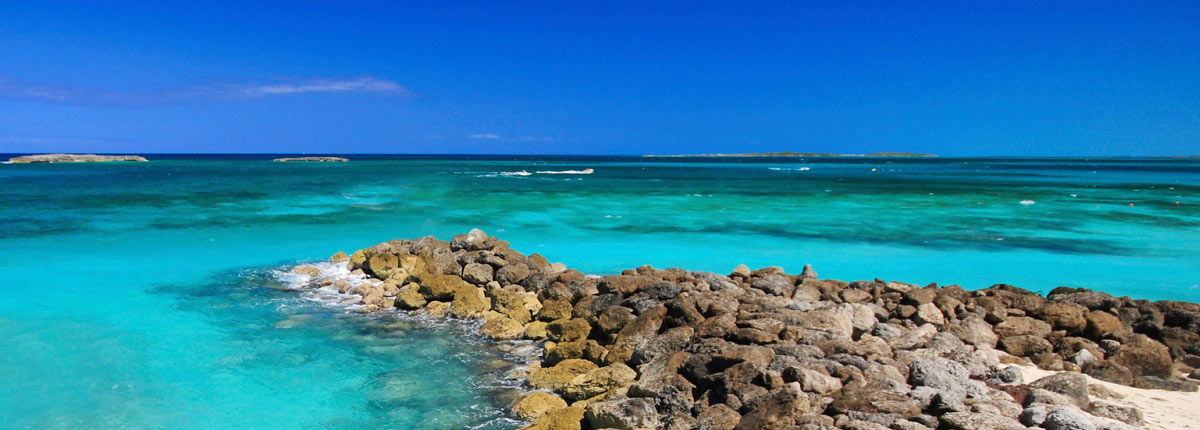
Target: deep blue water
[[140, 295]]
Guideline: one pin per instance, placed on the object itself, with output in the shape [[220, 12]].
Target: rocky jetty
[[763, 349], [317, 159], [72, 158]]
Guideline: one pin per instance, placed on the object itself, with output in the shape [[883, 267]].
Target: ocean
[[150, 295]]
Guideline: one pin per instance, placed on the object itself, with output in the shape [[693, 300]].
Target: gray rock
[[1010, 375], [623, 414], [1070, 384], [978, 421], [478, 274], [1065, 418], [1034, 416], [1126, 414], [939, 373], [808, 272]]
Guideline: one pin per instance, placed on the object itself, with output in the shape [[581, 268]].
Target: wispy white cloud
[[493, 136], [216, 91]]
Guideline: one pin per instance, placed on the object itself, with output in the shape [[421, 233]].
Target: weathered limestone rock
[[566, 330], [568, 418], [1144, 356], [535, 404], [598, 381], [560, 375], [624, 414], [502, 328], [307, 271], [339, 257], [478, 274]]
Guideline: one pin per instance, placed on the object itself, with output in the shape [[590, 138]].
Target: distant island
[[73, 158], [317, 159], [802, 154]]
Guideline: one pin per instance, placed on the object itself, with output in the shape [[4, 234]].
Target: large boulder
[[1067, 316], [568, 418], [535, 404], [1072, 385], [598, 381], [779, 409], [1145, 356], [478, 274], [623, 414], [560, 375]]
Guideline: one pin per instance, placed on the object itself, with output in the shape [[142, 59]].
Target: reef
[[763, 349], [316, 159], [72, 158]]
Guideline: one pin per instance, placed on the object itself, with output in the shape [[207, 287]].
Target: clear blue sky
[[953, 78]]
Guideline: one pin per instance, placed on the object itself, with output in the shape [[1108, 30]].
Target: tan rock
[[560, 375], [307, 270], [469, 302], [501, 328], [409, 297], [535, 404], [535, 330], [597, 381], [569, 329], [555, 309], [568, 418], [437, 309], [340, 257]]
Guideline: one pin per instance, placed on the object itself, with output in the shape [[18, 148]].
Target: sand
[[1165, 410]]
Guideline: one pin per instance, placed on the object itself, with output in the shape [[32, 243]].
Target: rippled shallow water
[[142, 295]]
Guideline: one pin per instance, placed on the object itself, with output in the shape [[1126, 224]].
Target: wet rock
[[502, 328], [307, 271], [339, 257], [469, 302]]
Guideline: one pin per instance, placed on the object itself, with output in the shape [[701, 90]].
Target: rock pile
[[763, 349]]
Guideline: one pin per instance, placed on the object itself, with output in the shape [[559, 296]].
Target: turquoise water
[[141, 295]]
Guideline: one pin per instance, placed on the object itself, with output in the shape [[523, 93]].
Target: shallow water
[[141, 295]]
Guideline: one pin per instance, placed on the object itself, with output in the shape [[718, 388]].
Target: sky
[[965, 78]]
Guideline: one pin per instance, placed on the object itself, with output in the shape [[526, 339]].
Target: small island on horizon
[[799, 154]]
